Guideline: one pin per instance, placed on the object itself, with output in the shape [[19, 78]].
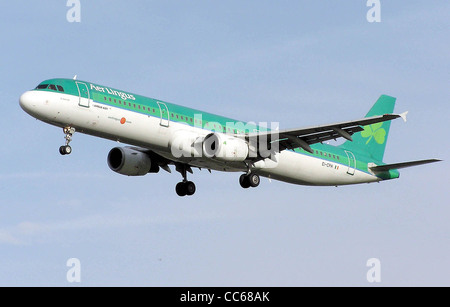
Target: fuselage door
[[351, 162], [83, 91], [164, 111]]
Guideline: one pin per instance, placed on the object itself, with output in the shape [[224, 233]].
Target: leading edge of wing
[[299, 132]]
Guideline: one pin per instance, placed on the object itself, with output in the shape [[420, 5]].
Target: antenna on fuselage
[[75, 77]]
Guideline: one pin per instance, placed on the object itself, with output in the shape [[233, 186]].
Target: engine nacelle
[[185, 144], [129, 162], [225, 148]]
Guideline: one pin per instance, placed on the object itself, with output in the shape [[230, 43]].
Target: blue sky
[[296, 62]]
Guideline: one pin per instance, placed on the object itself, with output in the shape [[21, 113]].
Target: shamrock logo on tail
[[374, 131]]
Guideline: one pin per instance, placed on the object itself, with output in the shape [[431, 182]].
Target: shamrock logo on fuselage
[[376, 132]]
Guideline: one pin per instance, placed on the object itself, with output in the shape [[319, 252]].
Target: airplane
[[161, 134]]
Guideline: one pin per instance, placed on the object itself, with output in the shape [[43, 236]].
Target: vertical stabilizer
[[372, 140]]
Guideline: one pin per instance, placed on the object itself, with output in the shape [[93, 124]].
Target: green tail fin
[[372, 140]]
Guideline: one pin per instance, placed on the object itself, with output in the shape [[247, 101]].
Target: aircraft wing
[[304, 137]]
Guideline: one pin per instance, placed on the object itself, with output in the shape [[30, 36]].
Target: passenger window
[[60, 88], [52, 87]]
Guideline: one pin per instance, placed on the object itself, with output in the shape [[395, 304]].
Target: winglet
[[403, 116], [75, 77]]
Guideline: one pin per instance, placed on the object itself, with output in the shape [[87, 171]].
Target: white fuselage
[[146, 131]]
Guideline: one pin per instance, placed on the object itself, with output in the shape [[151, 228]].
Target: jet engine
[[130, 162], [225, 148]]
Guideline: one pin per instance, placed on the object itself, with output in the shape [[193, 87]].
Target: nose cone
[[28, 102]]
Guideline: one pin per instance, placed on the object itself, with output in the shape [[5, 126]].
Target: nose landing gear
[[66, 149]]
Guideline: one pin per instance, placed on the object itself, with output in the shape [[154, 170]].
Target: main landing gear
[[185, 187], [67, 150], [250, 180]]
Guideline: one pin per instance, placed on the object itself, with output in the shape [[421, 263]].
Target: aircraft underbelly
[[296, 168]]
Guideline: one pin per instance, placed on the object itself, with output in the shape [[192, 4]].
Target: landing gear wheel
[[190, 188], [185, 188], [247, 181], [254, 180], [65, 150], [180, 188], [244, 181]]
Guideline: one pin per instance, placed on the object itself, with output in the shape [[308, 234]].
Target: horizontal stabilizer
[[387, 167]]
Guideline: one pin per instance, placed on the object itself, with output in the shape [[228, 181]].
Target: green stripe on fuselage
[[335, 155], [140, 104]]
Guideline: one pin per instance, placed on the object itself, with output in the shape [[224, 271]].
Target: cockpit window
[[50, 87]]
